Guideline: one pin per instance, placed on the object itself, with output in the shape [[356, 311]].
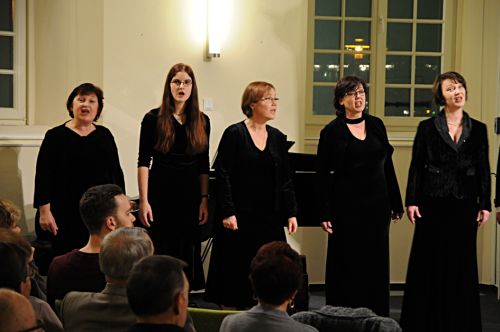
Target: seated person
[[158, 292], [276, 276], [10, 215], [103, 208], [16, 312], [14, 275], [109, 309]]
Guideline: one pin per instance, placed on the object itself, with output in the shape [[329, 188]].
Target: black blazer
[[232, 166], [440, 168], [331, 157]]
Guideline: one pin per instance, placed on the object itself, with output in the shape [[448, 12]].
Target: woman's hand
[[47, 221], [396, 216], [203, 211], [327, 226], [292, 225], [145, 213], [482, 217], [413, 213], [230, 223]]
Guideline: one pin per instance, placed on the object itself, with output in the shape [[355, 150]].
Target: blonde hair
[[10, 214]]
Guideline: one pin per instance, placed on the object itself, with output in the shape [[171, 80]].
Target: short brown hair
[[437, 91], [85, 89], [252, 94], [275, 273]]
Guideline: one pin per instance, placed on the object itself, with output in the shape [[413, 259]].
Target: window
[[396, 46], [12, 61]]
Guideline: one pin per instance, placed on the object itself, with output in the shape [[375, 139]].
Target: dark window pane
[[423, 105], [399, 36], [430, 9], [6, 52], [327, 8], [397, 102], [6, 15], [326, 67], [426, 69], [398, 69], [357, 64], [323, 100], [428, 37], [6, 91], [327, 35], [358, 8], [357, 34], [400, 9]]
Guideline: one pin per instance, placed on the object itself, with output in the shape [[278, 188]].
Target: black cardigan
[[232, 166], [440, 168], [331, 157]]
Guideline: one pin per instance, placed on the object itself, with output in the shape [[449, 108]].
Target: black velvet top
[[441, 168]]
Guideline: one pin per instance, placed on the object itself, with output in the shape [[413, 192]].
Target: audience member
[[158, 292], [16, 313], [109, 309], [10, 215], [14, 274], [276, 276], [103, 209]]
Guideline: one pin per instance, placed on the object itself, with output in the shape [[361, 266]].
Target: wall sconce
[[214, 28]]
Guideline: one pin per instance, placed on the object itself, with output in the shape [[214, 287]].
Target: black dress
[[359, 190], [450, 183], [174, 195], [67, 165], [255, 186]]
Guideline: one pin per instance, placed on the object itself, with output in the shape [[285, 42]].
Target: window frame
[[17, 114], [378, 55]]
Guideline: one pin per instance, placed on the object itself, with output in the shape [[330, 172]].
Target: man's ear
[[111, 223], [177, 305]]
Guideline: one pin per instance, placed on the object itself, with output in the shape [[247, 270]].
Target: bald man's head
[[16, 312]]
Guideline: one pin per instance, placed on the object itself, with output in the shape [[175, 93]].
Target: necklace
[[355, 121]]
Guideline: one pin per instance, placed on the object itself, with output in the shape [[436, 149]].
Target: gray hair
[[121, 249]]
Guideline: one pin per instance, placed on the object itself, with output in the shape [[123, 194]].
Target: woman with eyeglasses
[[447, 199], [358, 195], [173, 168], [255, 196]]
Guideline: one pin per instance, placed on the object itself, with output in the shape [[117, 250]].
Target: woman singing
[[173, 171], [255, 196], [358, 194], [447, 198], [74, 156]]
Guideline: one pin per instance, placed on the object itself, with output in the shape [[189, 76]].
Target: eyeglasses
[[269, 99], [178, 83], [360, 93]]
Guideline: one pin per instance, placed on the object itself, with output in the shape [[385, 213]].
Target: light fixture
[[214, 28]]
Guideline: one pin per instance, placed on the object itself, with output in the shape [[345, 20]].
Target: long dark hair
[[195, 121]]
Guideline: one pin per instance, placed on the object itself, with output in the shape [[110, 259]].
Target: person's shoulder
[[478, 124], [102, 129], [235, 129], [378, 121], [56, 131]]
